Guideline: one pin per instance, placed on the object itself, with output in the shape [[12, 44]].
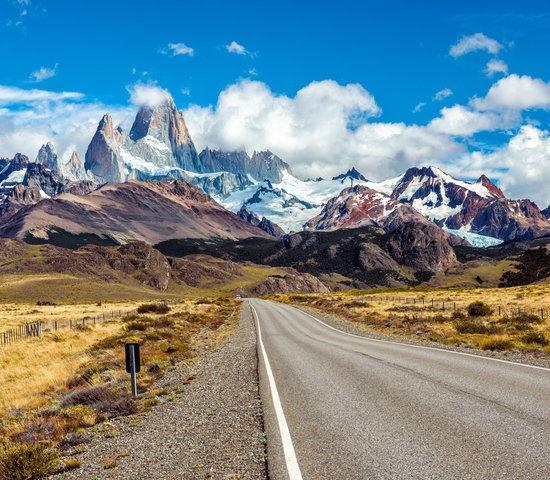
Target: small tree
[[479, 309]]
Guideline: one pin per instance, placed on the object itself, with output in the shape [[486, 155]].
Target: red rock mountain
[[149, 211]]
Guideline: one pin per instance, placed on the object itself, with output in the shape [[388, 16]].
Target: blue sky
[[398, 52]]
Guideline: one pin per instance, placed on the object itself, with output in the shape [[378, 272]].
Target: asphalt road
[[356, 408]]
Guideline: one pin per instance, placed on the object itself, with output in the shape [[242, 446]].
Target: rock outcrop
[[260, 166], [266, 225], [291, 282], [47, 156], [103, 157], [74, 169], [354, 207]]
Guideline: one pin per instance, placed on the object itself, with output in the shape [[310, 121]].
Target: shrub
[[153, 308], [538, 338], [45, 303], [136, 326], [497, 344], [80, 415], [40, 429], [458, 315], [71, 464], [479, 309], [470, 326], [26, 462], [104, 399], [72, 439], [525, 318]]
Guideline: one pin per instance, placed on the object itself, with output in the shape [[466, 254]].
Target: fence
[[450, 306], [36, 329]]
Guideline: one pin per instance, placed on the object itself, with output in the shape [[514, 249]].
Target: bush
[[104, 399], [479, 309], [40, 429], [525, 318], [26, 462], [153, 308], [458, 315], [470, 326], [72, 439], [497, 344], [45, 303], [538, 338]]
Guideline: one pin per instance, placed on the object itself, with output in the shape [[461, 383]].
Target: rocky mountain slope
[[149, 211], [159, 146], [412, 252]]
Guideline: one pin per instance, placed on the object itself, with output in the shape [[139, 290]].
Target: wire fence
[[452, 306], [38, 328]]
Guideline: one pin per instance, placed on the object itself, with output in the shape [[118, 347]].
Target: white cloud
[[14, 95], [442, 94], [515, 92], [521, 167], [324, 128], [462, 121], [43, 73], [237, 48], [472, 43], [175, 49], [496, 66], [253, 72], [32, 117], [419, 106], [147, 94]]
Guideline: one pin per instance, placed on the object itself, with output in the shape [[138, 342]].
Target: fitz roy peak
[[260, 189], [158, 145]]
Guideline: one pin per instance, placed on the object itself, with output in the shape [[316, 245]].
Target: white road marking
[[292, 466], [422, 346]]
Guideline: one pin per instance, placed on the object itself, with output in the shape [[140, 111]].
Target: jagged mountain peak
[[489, 185], [48, 157], [351, 173]]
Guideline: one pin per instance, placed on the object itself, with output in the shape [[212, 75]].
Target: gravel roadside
[[212, 428], [364, 331]]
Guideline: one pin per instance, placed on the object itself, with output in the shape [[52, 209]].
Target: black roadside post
[[132, 364]]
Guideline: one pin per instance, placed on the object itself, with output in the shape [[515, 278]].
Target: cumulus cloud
[[43, 73], [496, 66], [517, 93], [176, 49], [325, 128], [147, 94], [237, 48], [32, 117], [442, 94], [460, 120], [473, 43]]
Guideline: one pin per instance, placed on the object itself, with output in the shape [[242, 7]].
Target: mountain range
[[150, 184]]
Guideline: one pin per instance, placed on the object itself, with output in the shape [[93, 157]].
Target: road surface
[[337, 406]]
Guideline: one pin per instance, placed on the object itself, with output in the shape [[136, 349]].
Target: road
[[339, 406]]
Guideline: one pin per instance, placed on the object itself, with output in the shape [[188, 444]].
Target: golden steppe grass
[[30, 368], [409, 313], [13, 314]]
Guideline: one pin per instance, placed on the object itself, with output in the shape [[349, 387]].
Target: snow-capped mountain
[[159, 145], [354, 207]]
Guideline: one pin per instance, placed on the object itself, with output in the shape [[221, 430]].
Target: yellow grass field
[[30, 368], [521, 325]]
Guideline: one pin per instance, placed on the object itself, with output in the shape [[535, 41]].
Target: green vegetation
[[479, 309], [26, 462], [153, 308]]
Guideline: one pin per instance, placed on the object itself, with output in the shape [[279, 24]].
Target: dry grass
[[409, 313], [13, 314], [31, 368], [54, 387]]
